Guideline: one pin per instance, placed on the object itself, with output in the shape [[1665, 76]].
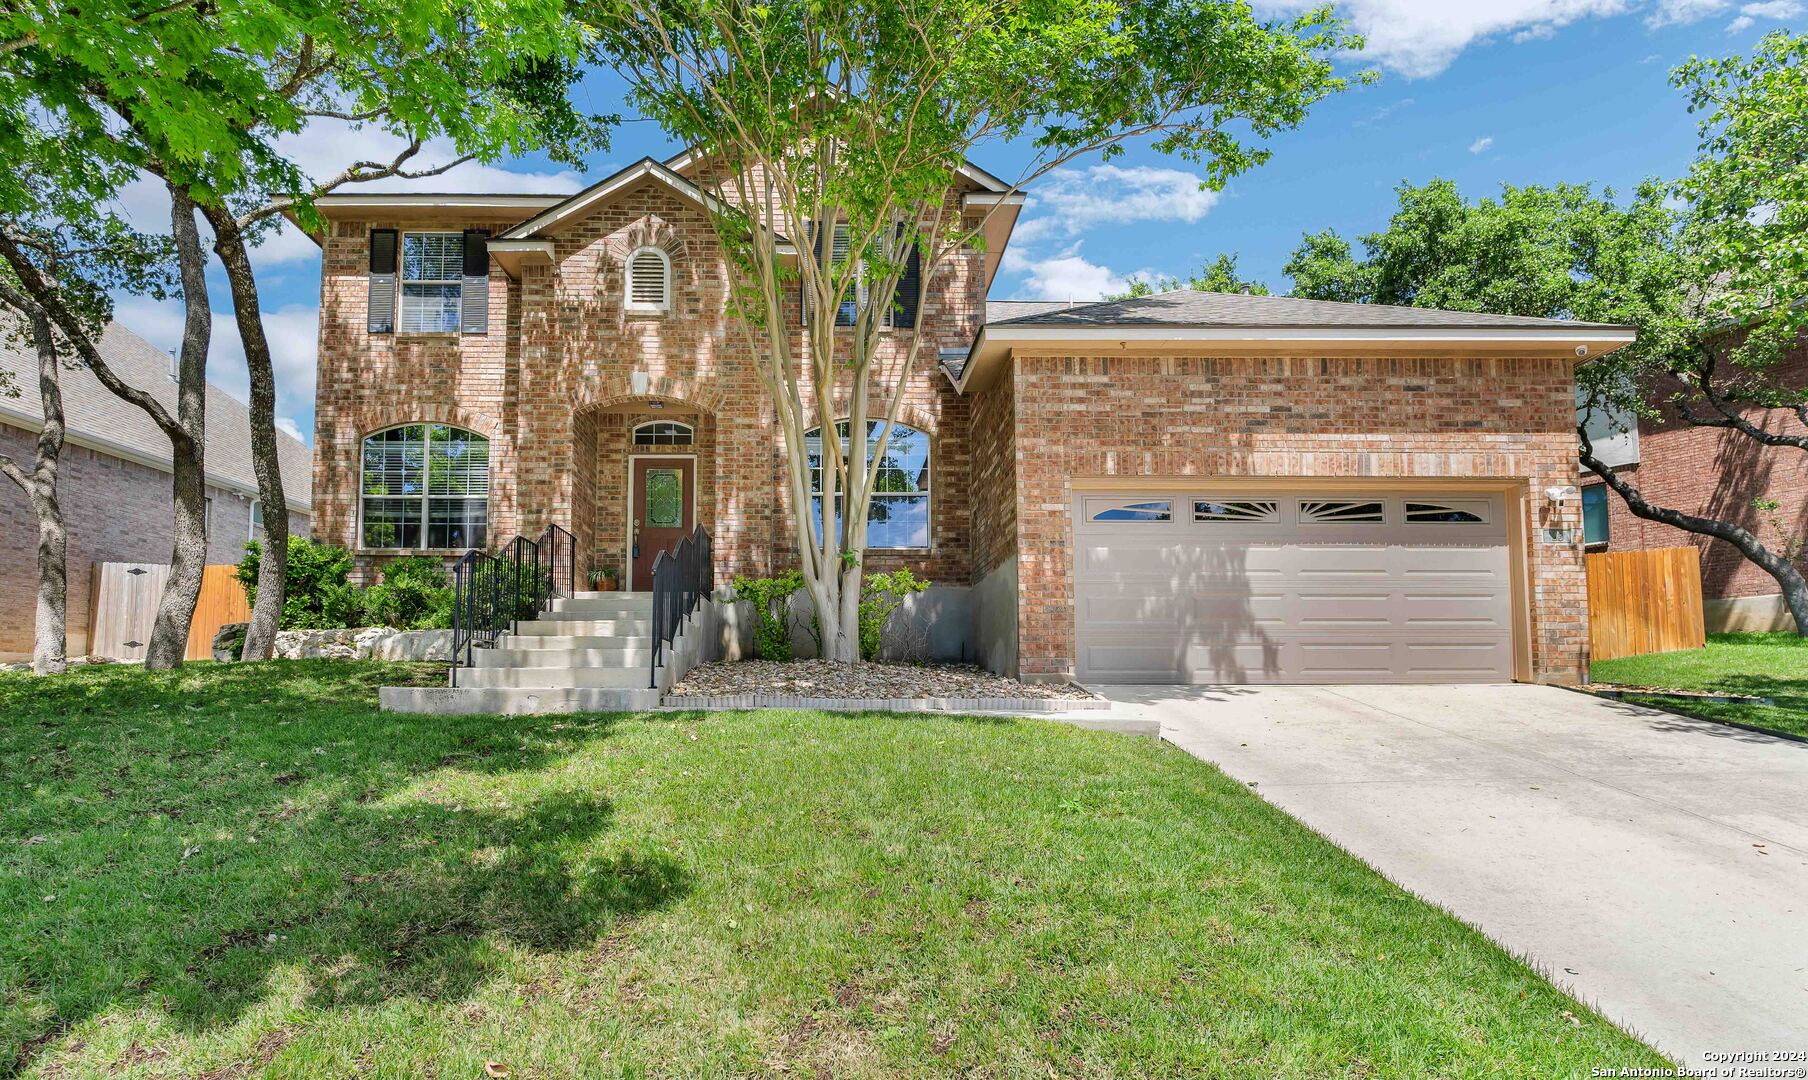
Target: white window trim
[[929, 496], [424, 496], [689, 430], [251, 514], [628, 301], [403, 281]]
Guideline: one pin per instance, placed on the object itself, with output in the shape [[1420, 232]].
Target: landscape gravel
[[886, 681]]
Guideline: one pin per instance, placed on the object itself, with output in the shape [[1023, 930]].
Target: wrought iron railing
[[494, 592], [682, 578]]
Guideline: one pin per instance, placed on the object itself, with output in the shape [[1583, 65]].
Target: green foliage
[[317, 593], [880, 595], [1219, 276], [770, 598], [415, 594]]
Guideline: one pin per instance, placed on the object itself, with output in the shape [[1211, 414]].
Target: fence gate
[[123, 606], [1644, 602]]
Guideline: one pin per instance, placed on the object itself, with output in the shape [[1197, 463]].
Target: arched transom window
[[663, 433], [899, 514], [649, 280], [425, 486]]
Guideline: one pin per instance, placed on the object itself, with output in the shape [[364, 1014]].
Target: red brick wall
[[994, 476], [114, 511], [1146, 416], [1717, 473], [557, 385]]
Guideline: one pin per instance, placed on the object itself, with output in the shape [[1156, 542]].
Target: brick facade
[[565, 373], [114, 510], [1164, 416], [1717, 473]]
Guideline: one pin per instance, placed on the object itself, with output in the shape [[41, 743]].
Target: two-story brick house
[[1185, 487]]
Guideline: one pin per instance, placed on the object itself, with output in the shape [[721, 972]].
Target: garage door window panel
[[1342, 513], [1144, 510], [1245, 512], [1453, 512]]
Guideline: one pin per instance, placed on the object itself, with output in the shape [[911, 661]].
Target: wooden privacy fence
[[123, 606], [1644, 602]]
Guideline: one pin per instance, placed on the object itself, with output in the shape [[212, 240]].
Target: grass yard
[[248, 870], [1762, 665]]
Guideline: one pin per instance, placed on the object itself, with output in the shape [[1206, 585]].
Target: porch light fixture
[[655, 404]]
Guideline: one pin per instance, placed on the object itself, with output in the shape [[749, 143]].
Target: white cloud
[[1749, 14], [1069, 202], [1385, 111], [1420, 38], [1065, 276], [288, 426], [1481, 145]]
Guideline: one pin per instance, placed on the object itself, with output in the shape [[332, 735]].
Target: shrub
[[317, 594], [415, 594], [770, 598], [880, 595]]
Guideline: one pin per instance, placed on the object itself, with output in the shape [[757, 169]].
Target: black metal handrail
[[682, 578], [494, 592]]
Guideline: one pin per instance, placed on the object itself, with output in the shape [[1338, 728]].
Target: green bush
[[415, 594], [770, 598], [317, 594], [880, 595]]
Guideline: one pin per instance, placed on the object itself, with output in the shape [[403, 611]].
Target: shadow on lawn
[[393, 855]]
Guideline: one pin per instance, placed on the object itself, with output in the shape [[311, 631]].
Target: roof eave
[[996, 341]]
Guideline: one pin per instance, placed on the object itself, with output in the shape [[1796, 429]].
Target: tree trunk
[[266, 614], [50, 646], [1788, 577], [188, 555], [50, 639]]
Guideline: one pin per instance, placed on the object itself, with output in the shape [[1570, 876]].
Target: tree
[[38, 481], [839, 131], [200, 96], [1218, 276]]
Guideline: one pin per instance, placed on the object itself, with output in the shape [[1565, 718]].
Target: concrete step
[[611, 655], [604, 607], [626, 678], [556, 642], [555, 627], [612, 594], [513, 700]]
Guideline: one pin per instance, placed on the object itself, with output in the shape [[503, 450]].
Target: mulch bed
[[878, 681]]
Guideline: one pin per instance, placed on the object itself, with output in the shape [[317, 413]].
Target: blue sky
[[1482, 92]]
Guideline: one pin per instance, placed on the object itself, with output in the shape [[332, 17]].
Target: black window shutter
[[474, 295], [849, 309], [382, 281], [803, 284], [910, 283]]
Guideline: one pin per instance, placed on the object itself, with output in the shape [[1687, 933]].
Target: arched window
[[649, 280], [425, 486], [663, 433], [898, 516]]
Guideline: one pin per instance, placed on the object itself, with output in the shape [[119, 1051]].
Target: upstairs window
[[649, 280], [432, 282], [425, 486]]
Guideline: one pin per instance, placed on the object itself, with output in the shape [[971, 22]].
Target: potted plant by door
[[604, 579]]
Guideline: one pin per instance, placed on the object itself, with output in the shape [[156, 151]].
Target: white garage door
[[1203, 587]]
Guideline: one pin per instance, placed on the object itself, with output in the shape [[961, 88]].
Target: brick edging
[[931, 704]]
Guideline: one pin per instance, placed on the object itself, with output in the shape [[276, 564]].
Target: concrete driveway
[[1652, 865]]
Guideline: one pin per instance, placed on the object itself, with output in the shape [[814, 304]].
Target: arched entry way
[[643, 471]]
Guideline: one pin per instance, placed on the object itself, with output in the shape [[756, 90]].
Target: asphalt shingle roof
[[92, 411], [1188, 307]]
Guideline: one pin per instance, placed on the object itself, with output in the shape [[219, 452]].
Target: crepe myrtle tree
[[832, 135], [205, 98]]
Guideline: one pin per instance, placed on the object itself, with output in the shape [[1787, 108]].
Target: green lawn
[[1763, 665], [248, 870]]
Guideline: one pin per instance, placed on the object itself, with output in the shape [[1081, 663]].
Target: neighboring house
[[1715, 473], [1186, 487], [114, 482]]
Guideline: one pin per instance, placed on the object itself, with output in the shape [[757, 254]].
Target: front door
[[664, 500]]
